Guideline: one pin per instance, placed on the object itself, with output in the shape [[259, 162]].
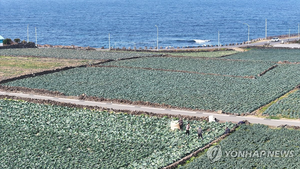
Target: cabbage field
[[291, 55], [288, 107], [47, 136], [70, 53], [266, 149], [209, 66], [194, 91]]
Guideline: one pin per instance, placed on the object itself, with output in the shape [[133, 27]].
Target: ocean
[[135, 23]]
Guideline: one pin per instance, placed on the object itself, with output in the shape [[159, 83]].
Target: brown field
[[16, 66]]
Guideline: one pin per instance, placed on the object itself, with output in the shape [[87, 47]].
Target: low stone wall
[[270, 68]]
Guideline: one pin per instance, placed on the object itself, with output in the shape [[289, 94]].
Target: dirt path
[[222, 117]]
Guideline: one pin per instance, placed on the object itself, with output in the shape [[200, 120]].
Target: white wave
[[201, 41]]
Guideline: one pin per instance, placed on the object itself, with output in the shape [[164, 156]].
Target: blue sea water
[[132, 22]]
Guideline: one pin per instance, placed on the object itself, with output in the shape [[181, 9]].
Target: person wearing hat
[[199, 131]]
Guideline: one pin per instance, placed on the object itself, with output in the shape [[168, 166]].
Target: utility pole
[[35, 37], [266, 31], [248, 31], [218, 40], [298, 31], [27, 33], [157, 38], [109, 41]]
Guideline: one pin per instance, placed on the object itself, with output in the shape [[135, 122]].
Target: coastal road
[[285, 44], [222, 117]]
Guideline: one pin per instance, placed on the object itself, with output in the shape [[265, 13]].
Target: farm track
[[94, 107], [84, 97], [155, 110], [129, 103]]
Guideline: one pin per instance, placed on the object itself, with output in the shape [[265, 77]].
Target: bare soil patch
[[18, 66]]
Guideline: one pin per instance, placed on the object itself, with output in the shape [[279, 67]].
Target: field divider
[[223, 58], [259, 111], [180, 71], [269, 69]]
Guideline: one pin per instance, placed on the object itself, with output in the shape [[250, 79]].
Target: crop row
[[222, 67], [194, 91], [70, 53], [291, 55], [287, 107], [254, 146], [43, 136]]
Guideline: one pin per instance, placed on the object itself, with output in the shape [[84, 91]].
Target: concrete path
[[287, 46], [221, 117]]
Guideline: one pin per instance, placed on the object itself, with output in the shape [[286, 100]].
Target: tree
[[17, 40], [7, 41]]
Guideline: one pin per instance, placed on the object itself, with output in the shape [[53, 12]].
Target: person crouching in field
[[180, 124], [200, 133], [227, 130], [187, 129]]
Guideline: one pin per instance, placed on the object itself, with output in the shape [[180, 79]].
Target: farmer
[[188, 129], [227, 130], [180, 123], [200, 133], [241, 122]]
